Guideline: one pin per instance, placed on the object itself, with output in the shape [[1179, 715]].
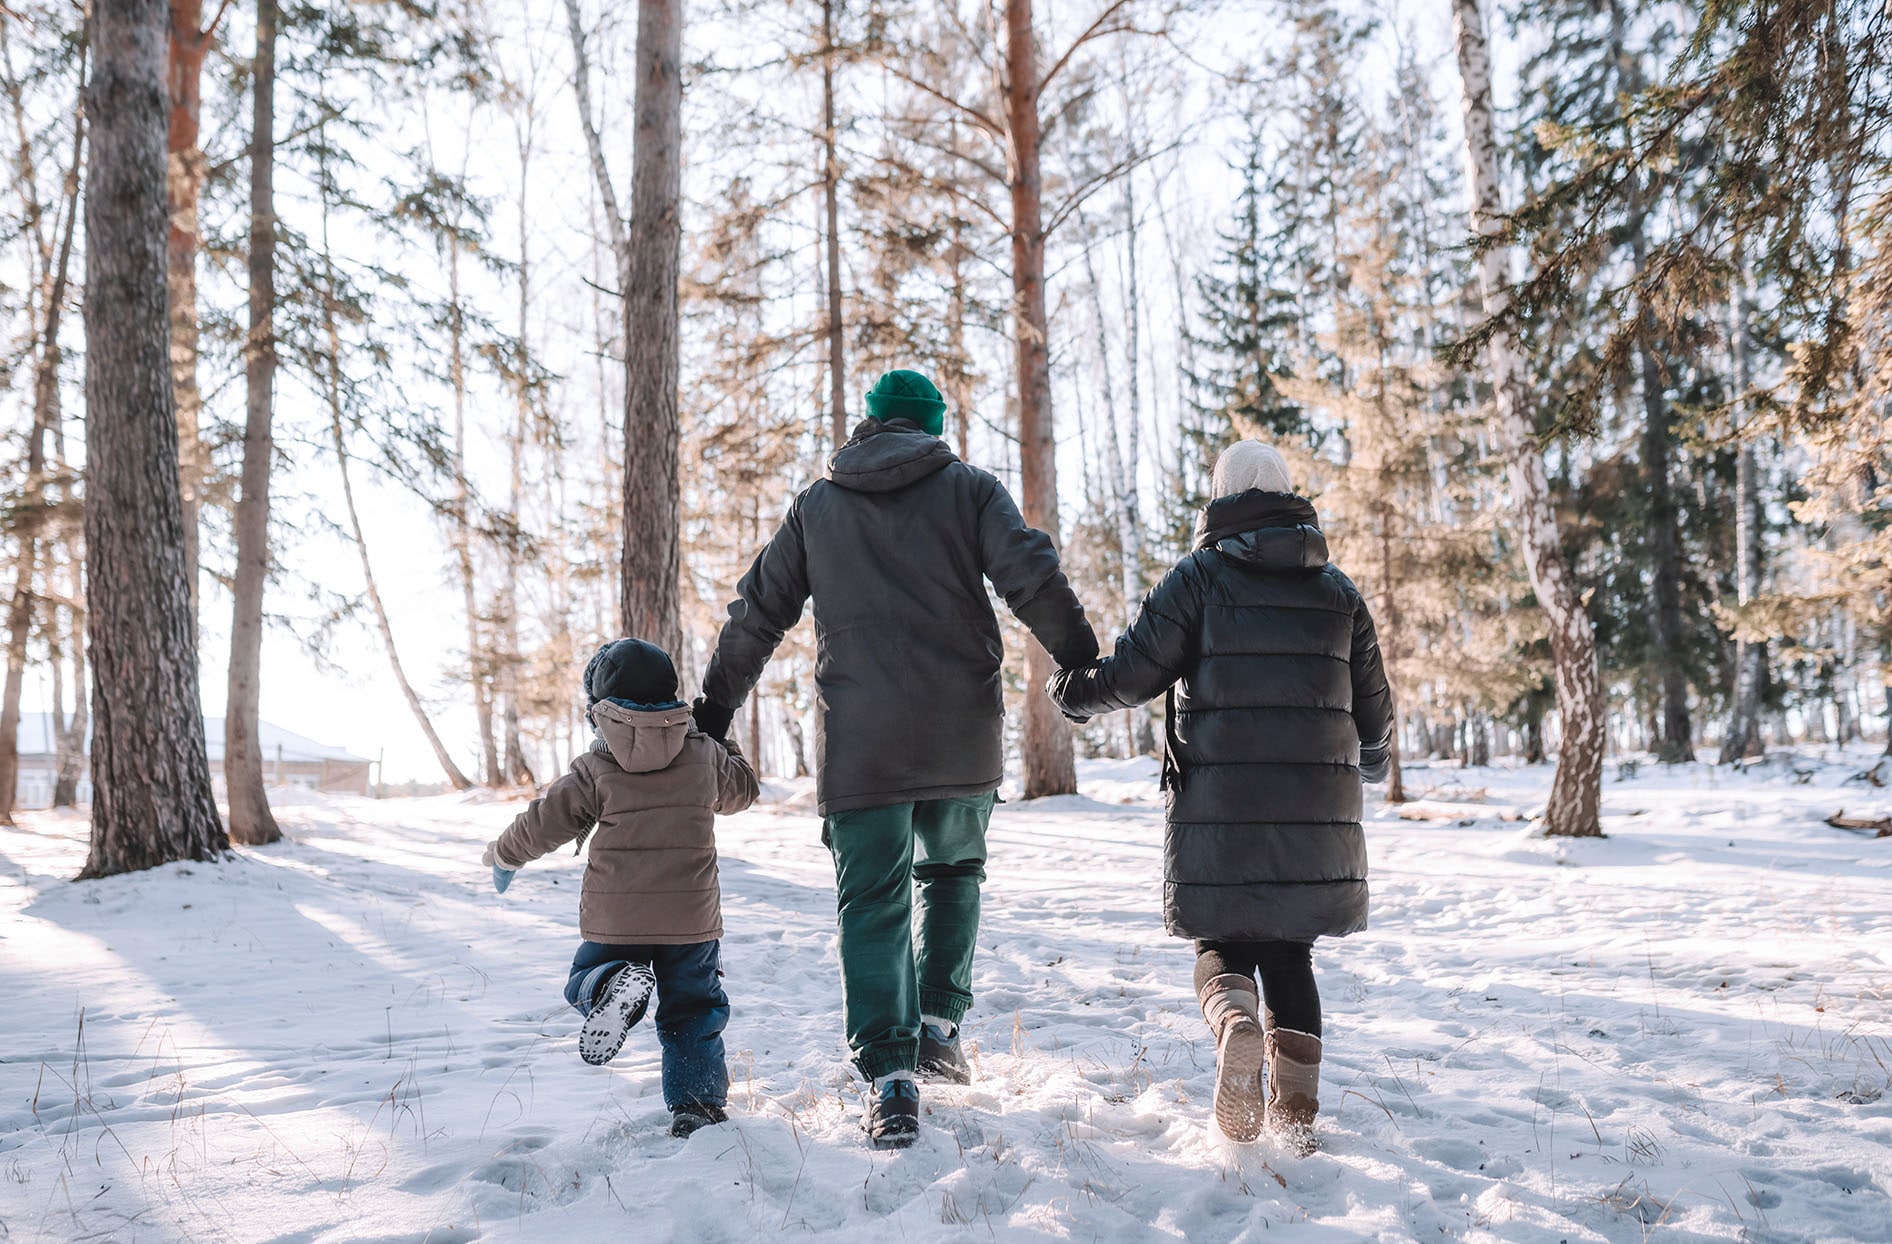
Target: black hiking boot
[[893, 1114], [941, 1056], [686, 1119]]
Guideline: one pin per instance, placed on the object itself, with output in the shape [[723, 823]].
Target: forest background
[[1612, 476]]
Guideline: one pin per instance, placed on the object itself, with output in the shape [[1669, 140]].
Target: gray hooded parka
[[895, 547]]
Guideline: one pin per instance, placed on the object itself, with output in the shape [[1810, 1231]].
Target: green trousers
[[896, 965]]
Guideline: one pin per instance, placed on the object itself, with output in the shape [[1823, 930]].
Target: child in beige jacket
[[651, 909]]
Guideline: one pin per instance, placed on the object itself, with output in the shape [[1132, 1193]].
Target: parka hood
[[1275, 530], [640, 740], [886, 457]]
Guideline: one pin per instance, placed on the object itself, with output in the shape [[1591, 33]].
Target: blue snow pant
[[692, 1010]]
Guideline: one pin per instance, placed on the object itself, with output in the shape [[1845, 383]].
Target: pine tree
[[152, 799], [1243, 329]]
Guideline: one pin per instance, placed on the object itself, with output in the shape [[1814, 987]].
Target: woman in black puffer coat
[[1280, 708]]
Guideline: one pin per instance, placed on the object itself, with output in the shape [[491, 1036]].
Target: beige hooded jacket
[[652, 784]]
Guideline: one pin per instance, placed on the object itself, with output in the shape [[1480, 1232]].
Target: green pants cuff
[[884, 1062], [949, 1007]]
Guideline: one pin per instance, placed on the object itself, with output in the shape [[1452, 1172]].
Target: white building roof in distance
[[36, 739]]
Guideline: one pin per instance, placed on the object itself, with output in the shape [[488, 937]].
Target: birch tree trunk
[[1129, 506], [33, 503], [1576, 791], [190, 43], [250, 820], [1050, 768], [1750, 656], [514, 767], [831, 205], [479, 669], [152, 801], [649, 598]]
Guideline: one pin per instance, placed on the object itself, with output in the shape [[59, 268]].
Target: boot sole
[[612, 1018], [1241, 1109]]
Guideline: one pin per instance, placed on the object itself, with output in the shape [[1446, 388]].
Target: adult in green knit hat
[[896, 546], [903, 394]]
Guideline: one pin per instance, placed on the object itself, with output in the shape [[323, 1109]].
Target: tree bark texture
[[152, 800], [1576, 792], [1050, 768], [190, 43], [649, 597], [251, 822], [33, 502]]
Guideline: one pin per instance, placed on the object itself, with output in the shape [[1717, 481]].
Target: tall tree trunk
[[1395, 635], [1678, 739], [1129, 505], [190, 43], [649, 596], [515, 768], [1121, 488], [479, 666], [831, 206], [250, 820], [958, 371], [33, 502], [332, 393], [1050, 768], [1576, 792], [152, 799], [1750, 655]]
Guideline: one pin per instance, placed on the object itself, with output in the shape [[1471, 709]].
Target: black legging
[[1287, 977]]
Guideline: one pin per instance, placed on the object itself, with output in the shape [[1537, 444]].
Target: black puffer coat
[[1278, 689], [895, 547]]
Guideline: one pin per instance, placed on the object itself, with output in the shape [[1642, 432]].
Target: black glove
[[712, 719], [1080, 650], [1375, 765], [1054, 688]]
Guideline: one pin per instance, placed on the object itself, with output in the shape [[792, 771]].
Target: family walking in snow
[[1278, 708]]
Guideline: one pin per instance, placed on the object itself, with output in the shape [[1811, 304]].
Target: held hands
[[1055, 689], [712, 719], [502, 877]]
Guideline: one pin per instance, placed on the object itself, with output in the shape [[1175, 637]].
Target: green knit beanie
[[904, 394]]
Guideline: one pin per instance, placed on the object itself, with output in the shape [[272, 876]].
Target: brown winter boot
[[1293, 1087], [1232, 1006]]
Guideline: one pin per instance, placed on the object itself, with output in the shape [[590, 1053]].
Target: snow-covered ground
[[1680, 1033]]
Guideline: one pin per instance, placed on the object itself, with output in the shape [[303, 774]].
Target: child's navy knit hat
[[630, 670]]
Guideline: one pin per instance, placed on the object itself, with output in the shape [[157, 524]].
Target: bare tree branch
[[594, 145], [1094, 184], [1103, 25], [977, 117]]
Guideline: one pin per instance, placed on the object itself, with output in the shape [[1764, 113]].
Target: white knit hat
[[1250, 464]]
